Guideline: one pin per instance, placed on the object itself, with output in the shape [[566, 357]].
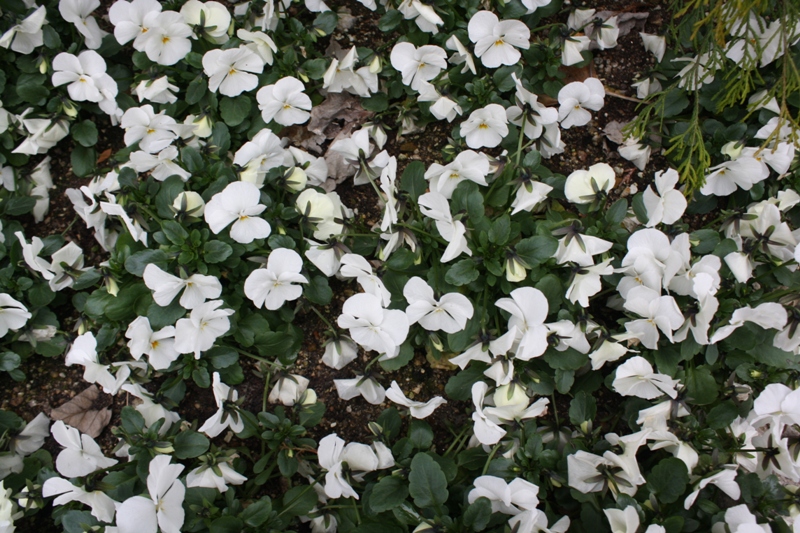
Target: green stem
[[374, 360], [321, 317], [489, 459], [256, 357]]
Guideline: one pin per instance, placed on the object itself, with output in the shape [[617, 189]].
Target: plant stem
[[321, 317], [489, 459]]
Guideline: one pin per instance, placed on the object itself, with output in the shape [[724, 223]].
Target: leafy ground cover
[[460, 266]]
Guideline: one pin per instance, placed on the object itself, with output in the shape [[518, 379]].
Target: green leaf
[[459, 386], [315, 68], [478, 514], [532, 159], [326, 22], [85, 133], [564, 380], [502, 78], [427, 482], [639, 208], [87, 279], [537, 249], [722, 415], [298, 501], [222, 357], [19, 205], [403, 358], [216, 251], [668, 480], [569, 359], [51, 37], [675, 101], [616, 213], [420, 434], [582, 408], [196, 90], [235, 110], [174, 232], [9, 361], [165, 316], [318, 291], [390, 20], [500, 230], [413, 180], [702, 388], [137, 262], [462, 272], [226, 524], [551, 287], [387, 494], [377, 103], [191, 159], [78, 522], [190, 444], [83, 161], [258, 512], [201, 377]]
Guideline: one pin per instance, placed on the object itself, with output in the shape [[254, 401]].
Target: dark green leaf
[[413, 180], [85, 133], [616, 213], [190, 444], [19, 205], [583, 407], [377, 103], [226, 524], [668, 480], [388, 493], [427, 482], [537, 249], [9, 361], [326, 22], [216, 251], [390, 20], [701, 386], [137, 262], [196, 90], [258, 512], [83, 161], [235, 110], [462, 272], [299, 500], [500, 230], [174, 232], [420, 434], [478, 514], [318, 291]]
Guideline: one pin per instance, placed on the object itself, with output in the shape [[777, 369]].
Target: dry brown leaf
[[85, 412], [613, 131], [626, 22]]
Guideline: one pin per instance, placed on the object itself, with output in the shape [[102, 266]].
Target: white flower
[[635, 152], [603, 33], [289, 389], [332, 453], [533, 5], [225, 416], [134, 228], [159, 346], [485, 427], [577, 248], [668, 205], [739, 519], [66, 265], [507, 498], [769, 315], [743, 172], [655, 44], [528, 308], [461, 55], [163, 509], [699, 70], [418, 65], [158, 91], [129, 18], [341, 75], [218, 476], [81, 455], [320, 208], [84, 352], [646, 87], [26, 36], [13, 314], [529, 194], [582, 186], [372, 326], [154, 132], [371, 390], [573, 46], [197, 288], [78, 13], [417, 409], [468, 165], [87, 78], [422, 13], [586, 282], [660, 312], [449, 314], [575, 98], [496, 41], [103, 507], [257, 156], [167, 39], [626, 521], [435, 206], [356, 266], [529, 111], [199, 332], [161, 166], [635, 377], [214, 16], [485, 127], [238, 203], [259, 42], [232, 71], [443, 107], [43, 134], [284, 102], [276, 284], [339, 352], [32, 437]]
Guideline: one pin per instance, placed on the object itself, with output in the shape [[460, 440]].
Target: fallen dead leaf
[[105, 154], [84, 413], [626, 22], [613, 131]]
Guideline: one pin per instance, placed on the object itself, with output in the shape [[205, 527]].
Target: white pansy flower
[[655, 44], [214, 16], [417, 409], [232, 71], [582, 186], [636, 377], [418, 65], [132, 20], [284, 102], [485, 127], [496, 41], [198, 333], [167, 39], [468, 165], [81, 455], [575, 98], [372, 326], [26, 36], [238, 203], [668, 205], [158, 91], [277, 283], [164, 507], [449, 314], [372, 391], [225, 417], [78, 12], [260, 43], [13, 314]]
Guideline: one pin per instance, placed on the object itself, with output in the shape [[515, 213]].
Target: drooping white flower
[[78, 12], [435, 206], [259, 42], [572, 48], [468, 165], [225, 417], [356, 266], [284, 102], [461, 55], [724, 179], [485, 127], [372, 326], [443, 106], [582, 186], [485, 427], [669, 204], [646, 87], [161, 166], [259, 155], [164, 507], [81, 455], [291, 389], [635, 377], [768, 315], [66, 266], [655, 44], [507, 498], [333, 454], [449, 314], [198, 333], [158, 91], [603, 33], [635, 152], [218, 476], [197, 288], [42, 134], [418, 65], [232, 71], [496, 41], [530, 112], [575, 98], [366, 386], [724, 479], [577, 248], [586, 282], [276, 284], [84, 352], [13, 314], [320, 209], [343, 76], [26, 36], [339, 352], [417, 409], [422, 13], [214, 17], [623, 521], [238, 203], [739, 519], [529, 308], [103, 507]]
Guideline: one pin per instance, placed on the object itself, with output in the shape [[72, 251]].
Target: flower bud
[[111, 286], [296, 179], [69, 109], [309, 397], [515, 270], [424, 526], [189, 203], [164, 450], [436, 341], [303, 76], [202, 126], [511, 394], [732, 149], [375, 65]]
